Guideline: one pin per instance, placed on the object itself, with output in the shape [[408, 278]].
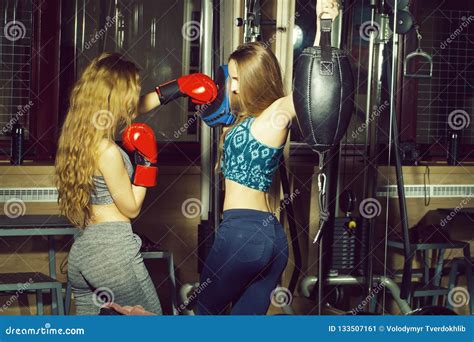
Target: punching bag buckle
[[326, 67]]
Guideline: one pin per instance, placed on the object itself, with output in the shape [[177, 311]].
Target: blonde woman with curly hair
[[99, 188]]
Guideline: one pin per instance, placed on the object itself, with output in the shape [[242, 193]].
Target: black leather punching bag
[[323, 92]]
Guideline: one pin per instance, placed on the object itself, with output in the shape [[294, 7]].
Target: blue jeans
[[249, 254]]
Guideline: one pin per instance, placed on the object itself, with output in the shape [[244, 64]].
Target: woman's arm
[[148, 102], [285, 111], [271, 127], [127, 197], [201, 88]]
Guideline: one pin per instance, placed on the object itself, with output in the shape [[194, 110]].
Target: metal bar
[[59, 300], [438, 272], [52, 271], [39, 302], [206, 67], [307, 283], [468, 273], [369, 150], [67, 304], [174, 302]]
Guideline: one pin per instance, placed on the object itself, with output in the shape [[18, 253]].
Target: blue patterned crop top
[[246, 160]]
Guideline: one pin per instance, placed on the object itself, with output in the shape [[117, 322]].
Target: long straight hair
[[260, 84], [102, 101]]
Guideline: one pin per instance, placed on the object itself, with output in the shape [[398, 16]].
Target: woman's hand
[[136, 310], [327, 9]]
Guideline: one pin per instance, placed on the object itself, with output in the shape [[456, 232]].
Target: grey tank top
[[101, 194]]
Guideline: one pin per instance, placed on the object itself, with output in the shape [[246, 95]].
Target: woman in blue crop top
[[250, 249]]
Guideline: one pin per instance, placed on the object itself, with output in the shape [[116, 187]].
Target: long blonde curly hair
[[103, 101]]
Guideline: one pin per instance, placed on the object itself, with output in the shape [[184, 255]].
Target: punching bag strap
[[326, 66], [323, 201], [326, 69]]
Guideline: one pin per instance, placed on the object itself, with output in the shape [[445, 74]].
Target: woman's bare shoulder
[[108, 156], [280, 110], [106, 146]]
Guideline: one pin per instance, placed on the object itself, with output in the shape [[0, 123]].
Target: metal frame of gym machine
[[374, 90]]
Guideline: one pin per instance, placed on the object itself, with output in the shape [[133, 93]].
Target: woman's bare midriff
[[238, 196], [106, 212]]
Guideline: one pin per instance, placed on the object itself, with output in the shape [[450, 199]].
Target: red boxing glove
[[140, 139], [199, 87]]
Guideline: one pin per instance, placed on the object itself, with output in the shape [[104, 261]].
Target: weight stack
[[349, 250]]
